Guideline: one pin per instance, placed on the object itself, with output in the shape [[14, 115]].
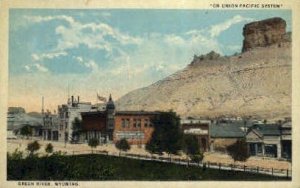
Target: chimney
[[78, 100], [72, 100]]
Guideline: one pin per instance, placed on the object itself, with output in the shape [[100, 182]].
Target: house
[[286, 139], [226, 133], [270, 140]]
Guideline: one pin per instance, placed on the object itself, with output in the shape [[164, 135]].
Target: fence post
[[244, 168], [219, 166], [287, 173], [257, 169], [272, 171]]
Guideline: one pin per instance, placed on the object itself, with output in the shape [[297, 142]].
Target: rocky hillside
[[256, 82]]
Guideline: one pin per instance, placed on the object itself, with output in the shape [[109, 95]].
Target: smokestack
[[43, 105], [78, 99], [72, 99]]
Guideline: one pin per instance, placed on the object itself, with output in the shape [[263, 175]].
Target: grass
[[99, 167]]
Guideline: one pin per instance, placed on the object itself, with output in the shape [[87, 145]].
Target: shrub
[[16, 155], [49, 148], [122, 145], [239, 150], [32, 147]]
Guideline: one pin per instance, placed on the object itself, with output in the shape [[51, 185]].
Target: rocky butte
[[256, 82]]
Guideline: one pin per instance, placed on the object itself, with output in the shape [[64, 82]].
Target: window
[[123, 123], [139, 123], [146, 122], [134, 123], [127, 123], [259, 148]]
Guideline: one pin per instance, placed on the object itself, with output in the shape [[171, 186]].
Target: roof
[[227, 130], [267, 129], [287, 124], [136, 113], [93, 113]]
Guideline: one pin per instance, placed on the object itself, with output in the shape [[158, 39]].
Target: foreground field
[[100, 167]]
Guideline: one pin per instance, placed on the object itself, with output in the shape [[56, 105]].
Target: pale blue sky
[[112, 51]]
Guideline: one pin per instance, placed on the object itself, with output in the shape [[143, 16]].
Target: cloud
[[101, 36], [35, 67], [154, 56], [216, 30], [91, 64], [51, 55], [39, 19]]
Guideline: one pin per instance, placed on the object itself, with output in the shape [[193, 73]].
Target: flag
[[100, 98]]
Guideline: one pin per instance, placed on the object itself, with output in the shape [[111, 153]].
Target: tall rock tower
[[264, 33]]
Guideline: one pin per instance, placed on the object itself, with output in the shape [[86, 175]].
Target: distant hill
[[256, 82], [35, 114]]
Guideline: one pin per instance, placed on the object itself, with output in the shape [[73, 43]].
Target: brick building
[[135, 126]]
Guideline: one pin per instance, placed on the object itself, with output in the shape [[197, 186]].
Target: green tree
[[76, 129], [122, 145], [49, 148], [192, 148], [238, 150], [93, 143], [32, 147], [166, 136], [26, 131]]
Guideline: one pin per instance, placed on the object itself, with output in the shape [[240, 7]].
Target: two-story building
[[199, 128], [66, 116], [135, 126], [50, 126]]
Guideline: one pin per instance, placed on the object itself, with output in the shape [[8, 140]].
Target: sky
[[57, 53]]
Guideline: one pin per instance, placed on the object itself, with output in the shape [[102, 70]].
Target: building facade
[[134, 126], [67, 114], [199, 128], [270, 140], [50, 126]]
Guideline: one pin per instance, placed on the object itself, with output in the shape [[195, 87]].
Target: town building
[[135, 126], [270, 140], [99, 123], [67, 114], [109, 125], [50, 126], [225, 133], [199, 128]]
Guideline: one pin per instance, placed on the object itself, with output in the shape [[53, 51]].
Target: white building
[[67, 114]]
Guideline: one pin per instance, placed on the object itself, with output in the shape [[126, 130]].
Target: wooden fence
[[220, 166]]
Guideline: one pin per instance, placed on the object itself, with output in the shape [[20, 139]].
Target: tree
[[32, 147], [122, 145], [93, 143], [76, 129], [26, 131], [238, 150], [166, 136], [49, 148], [192, 148]]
